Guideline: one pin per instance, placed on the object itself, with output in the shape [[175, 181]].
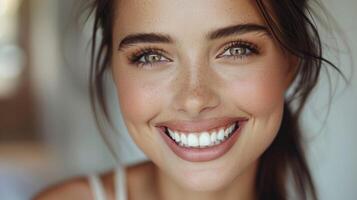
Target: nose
[[196, 92]]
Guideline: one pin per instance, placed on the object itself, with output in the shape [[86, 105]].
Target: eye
[[148, 57], [239, 49]]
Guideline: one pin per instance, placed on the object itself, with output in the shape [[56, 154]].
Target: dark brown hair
[[291, 23]]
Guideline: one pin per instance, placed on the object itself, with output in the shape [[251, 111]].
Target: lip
[[203, 154]]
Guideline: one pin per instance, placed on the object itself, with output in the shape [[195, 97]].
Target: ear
[[292, 71]]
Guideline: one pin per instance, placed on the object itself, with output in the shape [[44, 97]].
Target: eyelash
[[240, 44], [136, 56]]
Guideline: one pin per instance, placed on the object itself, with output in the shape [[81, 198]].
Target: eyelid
[[135, 57]]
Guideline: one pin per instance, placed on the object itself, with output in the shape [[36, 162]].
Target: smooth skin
[[189, 76]]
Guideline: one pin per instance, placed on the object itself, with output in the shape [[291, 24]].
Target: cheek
[[260, 93], [130, 97], [138, 99]]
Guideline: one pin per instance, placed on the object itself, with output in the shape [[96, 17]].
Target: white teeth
[[171, 133], [203, 139], [231, 127], [220, 135], [192, 140], [213, 137], [184, 140], [177, 137], [229, 130], [226, 133]]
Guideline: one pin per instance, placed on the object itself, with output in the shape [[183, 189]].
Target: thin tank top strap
[[97, 187], [120, 183]]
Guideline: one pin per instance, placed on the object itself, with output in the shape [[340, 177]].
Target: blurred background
[[47, 129]]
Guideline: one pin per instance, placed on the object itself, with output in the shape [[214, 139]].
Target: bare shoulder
[[139, 177], [75, 188]]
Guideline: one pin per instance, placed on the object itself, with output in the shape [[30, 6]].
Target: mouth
[[202, 145], [202, 139]]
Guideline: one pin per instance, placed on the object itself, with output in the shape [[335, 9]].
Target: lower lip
[[202, 154]]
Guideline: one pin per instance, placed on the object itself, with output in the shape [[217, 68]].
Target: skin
[[192, 82]]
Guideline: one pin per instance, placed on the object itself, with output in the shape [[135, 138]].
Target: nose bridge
[[196, 93], [198, 81]]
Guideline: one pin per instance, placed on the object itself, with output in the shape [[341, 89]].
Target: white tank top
[[98, 190]]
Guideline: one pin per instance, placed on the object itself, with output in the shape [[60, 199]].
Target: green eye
[[239, 49], [150, 58]]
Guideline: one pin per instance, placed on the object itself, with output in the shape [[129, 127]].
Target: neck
[[242, 187]]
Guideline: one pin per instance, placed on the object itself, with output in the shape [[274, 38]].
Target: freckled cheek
[[259, 95], [139, 102]]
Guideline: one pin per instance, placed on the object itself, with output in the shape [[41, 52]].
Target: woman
[[202, 87]]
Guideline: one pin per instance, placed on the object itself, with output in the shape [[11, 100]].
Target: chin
[[206, 179], [204, 183]]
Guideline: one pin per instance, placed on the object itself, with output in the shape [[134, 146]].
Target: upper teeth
[[202, 139]]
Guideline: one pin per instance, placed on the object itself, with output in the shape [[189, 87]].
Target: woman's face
[[196, 68]]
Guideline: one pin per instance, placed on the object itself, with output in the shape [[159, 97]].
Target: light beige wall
[[333, 146]]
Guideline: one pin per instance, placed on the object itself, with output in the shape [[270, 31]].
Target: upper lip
[[200, 125]]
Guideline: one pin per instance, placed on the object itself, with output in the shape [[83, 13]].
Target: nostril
[[196, 101]]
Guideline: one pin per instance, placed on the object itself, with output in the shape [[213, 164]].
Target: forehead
[[181, 16]]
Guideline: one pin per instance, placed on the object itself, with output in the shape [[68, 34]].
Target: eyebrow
[[213, 35], [237, 30], [144, 38]]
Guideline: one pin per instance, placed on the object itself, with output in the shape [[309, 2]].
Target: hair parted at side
[[292, 25]]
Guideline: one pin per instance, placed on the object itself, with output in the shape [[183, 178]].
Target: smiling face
[[195, 68]]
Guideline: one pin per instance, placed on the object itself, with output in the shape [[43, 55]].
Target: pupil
[[153, 58], [238, 51]]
